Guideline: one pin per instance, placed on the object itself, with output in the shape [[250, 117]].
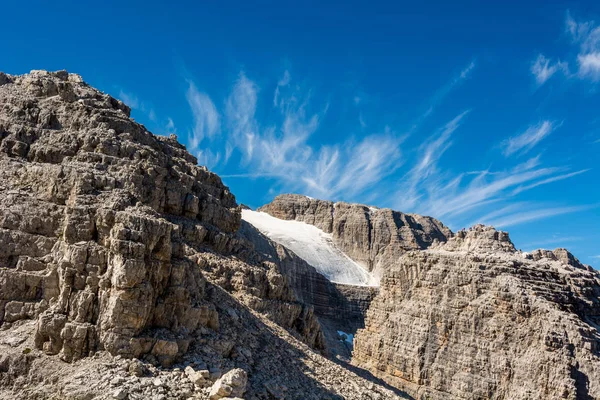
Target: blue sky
[[467, 112]]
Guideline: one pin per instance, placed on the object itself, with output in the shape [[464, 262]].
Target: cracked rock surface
[[121, 258], [373, 237], [475, 319]]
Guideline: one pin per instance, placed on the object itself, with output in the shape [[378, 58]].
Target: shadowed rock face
[[108, 233], [474, 318], [373, 237], [337, 307]]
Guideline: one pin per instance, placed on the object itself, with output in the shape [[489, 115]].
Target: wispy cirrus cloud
[[135, 103], [426, 165], [377, 167], [554, 241], [549, 180], [206, 117], [240, 109], [533, 215], [129, 98], [543, 68], [463, 198], [280, 149], [527, 140], [585, 37], [589, 65], [160, 125], [441, 94], [283, 82]]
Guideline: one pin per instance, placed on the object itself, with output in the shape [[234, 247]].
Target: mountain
[[464, 315], [127, 271], [371, 236], [474, 318]]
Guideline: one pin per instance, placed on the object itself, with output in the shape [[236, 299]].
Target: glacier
[[314, 246]]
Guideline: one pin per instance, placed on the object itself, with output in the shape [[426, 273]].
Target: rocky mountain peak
[[115, 244], [480, 238], [371, 236], [122, 257]]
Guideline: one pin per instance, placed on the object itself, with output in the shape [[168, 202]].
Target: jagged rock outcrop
[[113, 241], [475, 319], [371, 236], [105, 227], [337, 306]]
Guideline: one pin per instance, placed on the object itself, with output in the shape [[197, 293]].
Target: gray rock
[[232, 384], [476, 318], [120, 394]]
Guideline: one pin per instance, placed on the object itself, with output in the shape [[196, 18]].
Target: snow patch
[[314, 246]]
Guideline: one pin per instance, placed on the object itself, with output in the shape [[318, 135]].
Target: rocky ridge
[[475, 318], [125, 260], [115, 245], [371, 236]]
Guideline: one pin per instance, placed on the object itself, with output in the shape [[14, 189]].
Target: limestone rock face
[[115, 244], [373, 237], [107, 232], [474, 318]]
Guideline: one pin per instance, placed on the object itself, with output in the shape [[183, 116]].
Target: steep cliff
[[475, 319], [338, 307], [371, 236], [114, 242]]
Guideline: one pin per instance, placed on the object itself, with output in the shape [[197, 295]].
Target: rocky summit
[[127, 271]]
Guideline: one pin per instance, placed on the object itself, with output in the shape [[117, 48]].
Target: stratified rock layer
[[475, 319], [373, 237], [105, 228], [114, 242]]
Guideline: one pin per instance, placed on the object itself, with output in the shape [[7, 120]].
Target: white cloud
[[554, 240], [462, 198], [284, 81], [527, 140], [129, 98], [589, 66], [423, 175], [549, 180], [207, 158], [171, 126], [485, 188], [533, 215], [283, 150], [240, 108], [441, 94], [587, 36], [206, 116], [135, 103], [543, 68], [464, 74]]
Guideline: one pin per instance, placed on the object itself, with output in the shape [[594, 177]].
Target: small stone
[[120, 394], [232, 384], [157, 382], [137, 368]]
